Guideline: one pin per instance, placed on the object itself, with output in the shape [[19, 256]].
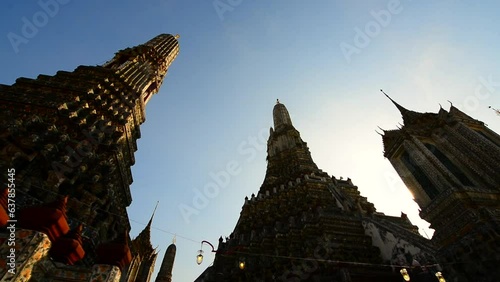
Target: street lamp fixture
[[199, 257], [241, 262]]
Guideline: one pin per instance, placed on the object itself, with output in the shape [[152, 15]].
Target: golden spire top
[[174, 239], [177, 36]]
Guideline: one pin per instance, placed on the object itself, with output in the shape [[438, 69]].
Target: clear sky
[[325, 60]]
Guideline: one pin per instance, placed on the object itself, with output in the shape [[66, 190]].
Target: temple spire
[[287, 153], [151, 219], [408, 116], [143, 240], [281, 116], [143, 67], [401, 109]]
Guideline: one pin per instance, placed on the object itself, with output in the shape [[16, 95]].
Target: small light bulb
[[440, 277], [199, 257], [405, 274]]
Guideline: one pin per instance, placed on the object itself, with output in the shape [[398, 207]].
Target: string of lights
[[332, 261]]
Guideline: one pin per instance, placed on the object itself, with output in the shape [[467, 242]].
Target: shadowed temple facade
[[68, 141], [450, 162], [305, 225]]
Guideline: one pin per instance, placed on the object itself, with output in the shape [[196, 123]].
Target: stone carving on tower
[[451, 162], [304, 225], [71, 139]]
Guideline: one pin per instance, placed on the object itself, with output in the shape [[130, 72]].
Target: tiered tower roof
[[300, 210]]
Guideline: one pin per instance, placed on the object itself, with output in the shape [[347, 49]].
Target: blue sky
[[215, 106]]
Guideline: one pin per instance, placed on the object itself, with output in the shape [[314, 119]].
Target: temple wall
[[393, 249]]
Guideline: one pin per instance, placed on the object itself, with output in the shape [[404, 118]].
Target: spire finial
[[156, 206], [401, 109], [177, 36], [280, 115], [389, 97], [151, 219], [174, 239]]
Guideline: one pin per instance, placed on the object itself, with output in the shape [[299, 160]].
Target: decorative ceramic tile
[[28, 248]]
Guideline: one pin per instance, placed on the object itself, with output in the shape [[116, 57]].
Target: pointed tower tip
[[394, 102], [280, 115], [386, 95], [151, 219], [154, 211], [401, 109], [177, 36]]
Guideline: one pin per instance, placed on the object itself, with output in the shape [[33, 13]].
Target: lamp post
[[241, 261], [199, 257]]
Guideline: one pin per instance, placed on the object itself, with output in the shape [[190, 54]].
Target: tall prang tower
[[74, 134], [304, 225], [451, 164]]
